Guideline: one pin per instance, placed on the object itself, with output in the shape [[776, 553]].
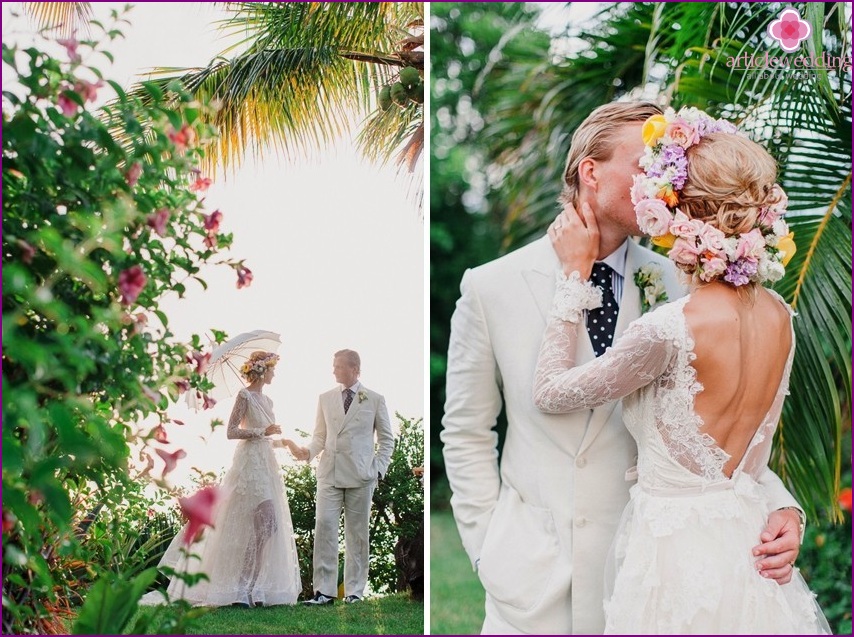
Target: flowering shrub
[[101, 220]]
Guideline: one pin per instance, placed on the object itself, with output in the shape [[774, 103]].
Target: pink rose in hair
[[711, 239], [751, 245], [682, 133], [682, 226], [684, 252], [653, 217], [712, 266], [638, 192]]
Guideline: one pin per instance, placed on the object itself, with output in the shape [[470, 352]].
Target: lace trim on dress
[[677, 422], [573, 296]]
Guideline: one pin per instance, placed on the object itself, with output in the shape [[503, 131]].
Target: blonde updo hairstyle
[[730, 179], [257, 365]]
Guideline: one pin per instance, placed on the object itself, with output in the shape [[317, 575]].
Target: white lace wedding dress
[[681, 561], [250, 555]]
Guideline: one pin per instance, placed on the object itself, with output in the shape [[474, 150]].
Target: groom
[[347, 419], [538, 527]]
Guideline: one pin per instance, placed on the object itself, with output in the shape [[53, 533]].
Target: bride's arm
[[639, 356], [237, 414]]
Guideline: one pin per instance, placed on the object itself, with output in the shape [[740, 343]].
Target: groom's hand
[[781, 543]]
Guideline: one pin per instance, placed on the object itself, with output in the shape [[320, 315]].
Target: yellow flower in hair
[[668, 196], [664, 241], [653, 129], [787, 245]]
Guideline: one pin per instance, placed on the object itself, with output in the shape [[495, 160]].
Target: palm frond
[[64, 17], [298, 74]]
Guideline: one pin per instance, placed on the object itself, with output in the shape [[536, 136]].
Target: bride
[[249, 555], [702, 379]]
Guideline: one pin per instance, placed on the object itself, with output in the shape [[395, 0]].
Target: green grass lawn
[[392, 615], [456, 596]]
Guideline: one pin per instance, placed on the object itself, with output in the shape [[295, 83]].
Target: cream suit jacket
[[349, 459], [544, 520]]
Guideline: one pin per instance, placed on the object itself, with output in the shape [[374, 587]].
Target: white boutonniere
[[363, 395], [648, 278]]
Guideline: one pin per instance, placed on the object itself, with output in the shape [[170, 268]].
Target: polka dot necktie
[[602, 321], [348, 399]]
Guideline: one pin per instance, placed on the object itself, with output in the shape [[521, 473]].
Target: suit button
[[581, 462], [579, 522]]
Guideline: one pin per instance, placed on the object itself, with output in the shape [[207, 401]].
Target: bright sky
[[336, 246]]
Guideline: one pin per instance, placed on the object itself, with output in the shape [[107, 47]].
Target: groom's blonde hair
[[351, 356], [595, 138]]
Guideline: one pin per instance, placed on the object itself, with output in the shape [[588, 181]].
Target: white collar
[[354, 388], [617, 259]]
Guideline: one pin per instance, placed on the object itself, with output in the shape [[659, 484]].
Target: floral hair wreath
[[258, 366], [697, 247]]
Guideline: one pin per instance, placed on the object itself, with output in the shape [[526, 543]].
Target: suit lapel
[[630, 310], [540, 279], [355, 406], [336, 407]]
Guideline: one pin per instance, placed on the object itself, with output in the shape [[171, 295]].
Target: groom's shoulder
[[519, 259]]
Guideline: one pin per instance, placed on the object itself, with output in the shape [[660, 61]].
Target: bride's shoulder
[[665, 322]]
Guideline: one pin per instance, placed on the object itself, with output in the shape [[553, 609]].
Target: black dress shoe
[[319, 599], [240, 604], [352, 599]]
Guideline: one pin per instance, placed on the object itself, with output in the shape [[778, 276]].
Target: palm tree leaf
[[65, 17]]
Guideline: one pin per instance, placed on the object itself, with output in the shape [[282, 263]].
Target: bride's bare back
[[741, 349]]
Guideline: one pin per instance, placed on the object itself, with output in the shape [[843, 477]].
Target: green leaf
[[111, 603]]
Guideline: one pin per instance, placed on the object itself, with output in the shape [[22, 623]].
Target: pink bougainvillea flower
[[182, 386], [152, 395], [201, 184], [160, 434], [131, 282], [789, 30], [200, 359], [212, 221], [88, 90], [27, 251], [208, 402], [210, 241], [149, 465], [171, 459], [244, 277], [845, 499], [9, 520], [159, 221], [133, 174], [199, 510], [71, 45], [67, 105], [182, 138]]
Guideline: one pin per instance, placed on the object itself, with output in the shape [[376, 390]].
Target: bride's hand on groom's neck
[[575, 239]]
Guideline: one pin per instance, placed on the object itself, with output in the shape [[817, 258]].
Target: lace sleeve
[[639, 356], [241, 404]]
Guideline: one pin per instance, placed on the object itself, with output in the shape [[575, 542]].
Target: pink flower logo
[[789, 30]]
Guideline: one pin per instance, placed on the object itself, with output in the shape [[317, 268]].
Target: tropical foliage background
[[507, 91], [104, 217]]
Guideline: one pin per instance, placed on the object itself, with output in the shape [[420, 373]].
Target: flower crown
[[258, 366], [697, 247]]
